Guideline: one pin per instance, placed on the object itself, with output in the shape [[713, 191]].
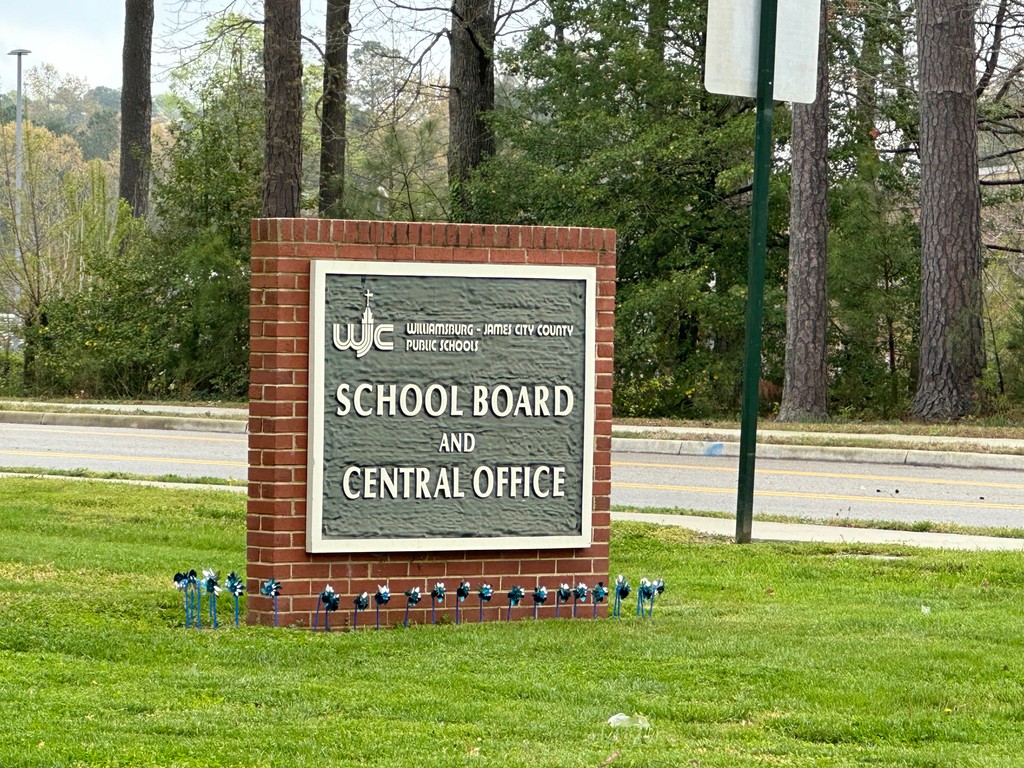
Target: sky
[[84, 37]]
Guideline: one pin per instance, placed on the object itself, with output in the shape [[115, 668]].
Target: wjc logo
[[365, 335]]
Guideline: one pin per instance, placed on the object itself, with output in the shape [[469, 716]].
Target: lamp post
[[18, 147]]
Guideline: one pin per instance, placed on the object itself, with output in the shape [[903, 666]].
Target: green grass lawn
[[757, 655]]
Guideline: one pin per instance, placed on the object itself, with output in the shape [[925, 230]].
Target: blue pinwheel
[[361, 603], [515, 596], [484, 595], [562, 595], [381, 597], [600, 592], [540, 596], [412, 597], [579, 595], [644, 595], [460, 595], [659, 588], [272, 588], [236, 587], [436, 596], [622, 590], [192, 587], [212, 589], [181, 584], [330, 601]]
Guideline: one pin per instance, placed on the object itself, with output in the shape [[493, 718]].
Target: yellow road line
[[105, 457], [824, 496], [148, 434], [831, 475]]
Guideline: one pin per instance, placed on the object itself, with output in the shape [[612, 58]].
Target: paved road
[[135, 451], [811, 489], [819, 490]]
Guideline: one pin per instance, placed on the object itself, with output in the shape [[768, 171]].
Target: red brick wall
[[279, 336]]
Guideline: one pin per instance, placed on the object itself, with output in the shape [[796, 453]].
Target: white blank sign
[[731, 60]]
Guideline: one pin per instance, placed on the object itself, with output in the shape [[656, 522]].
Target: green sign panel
[[451, 407]]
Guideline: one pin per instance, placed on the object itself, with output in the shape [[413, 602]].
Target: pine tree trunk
[[282, 62], [136, 105], [952, 350], [805, 391], [332, 126], [471, 95]]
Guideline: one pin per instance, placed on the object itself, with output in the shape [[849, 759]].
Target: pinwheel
[[622, 590], [381, 597], [540, 596], [235, 587], [460, 594], [272, 588], [436, 596], [579, 595], [515, 595], [412, 597], [330, 601], [197, 600], [181, 584], [561, 596], [644, 594], [361, 603], [212, 589], [600, 592], [484, 594], [659, 588]]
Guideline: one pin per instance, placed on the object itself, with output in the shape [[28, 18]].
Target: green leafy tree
[[612, 127]]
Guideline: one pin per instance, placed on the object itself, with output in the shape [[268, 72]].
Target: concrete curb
[[916, 458], [124, 421]]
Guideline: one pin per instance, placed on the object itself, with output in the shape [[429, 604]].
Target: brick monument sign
[[428, 403]]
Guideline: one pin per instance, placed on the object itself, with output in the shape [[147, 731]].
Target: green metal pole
[[755, 281]]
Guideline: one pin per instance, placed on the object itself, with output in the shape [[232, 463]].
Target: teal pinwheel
[[600, 592], [622, 590], [579, 595], [330, 601], [182, 584], [644, 595], [540, 596], [515, 596], [461, 593], [381, 597], [212, 589], [484, 595], [412, 597], [659, 588], [562, 596], [436, 596], [361, 603], [235, 587], [272, 588]]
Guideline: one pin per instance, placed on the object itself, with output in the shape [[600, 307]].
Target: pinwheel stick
[[236, 611], [406, 622], [275, 610]]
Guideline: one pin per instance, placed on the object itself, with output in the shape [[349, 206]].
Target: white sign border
[[316, 542]]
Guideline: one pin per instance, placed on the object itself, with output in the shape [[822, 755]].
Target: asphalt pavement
[[979, 453]]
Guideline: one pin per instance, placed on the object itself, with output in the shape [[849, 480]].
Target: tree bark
[[805, 389], [282, 63], [136, 105], [471, 96], [332, 126], [952, 343]]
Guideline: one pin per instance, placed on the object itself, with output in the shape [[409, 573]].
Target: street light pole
[[18, 149]]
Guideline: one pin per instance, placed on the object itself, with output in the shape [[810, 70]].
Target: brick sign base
[[282, 252]]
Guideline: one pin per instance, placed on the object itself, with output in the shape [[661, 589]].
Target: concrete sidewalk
[[830, 534]]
